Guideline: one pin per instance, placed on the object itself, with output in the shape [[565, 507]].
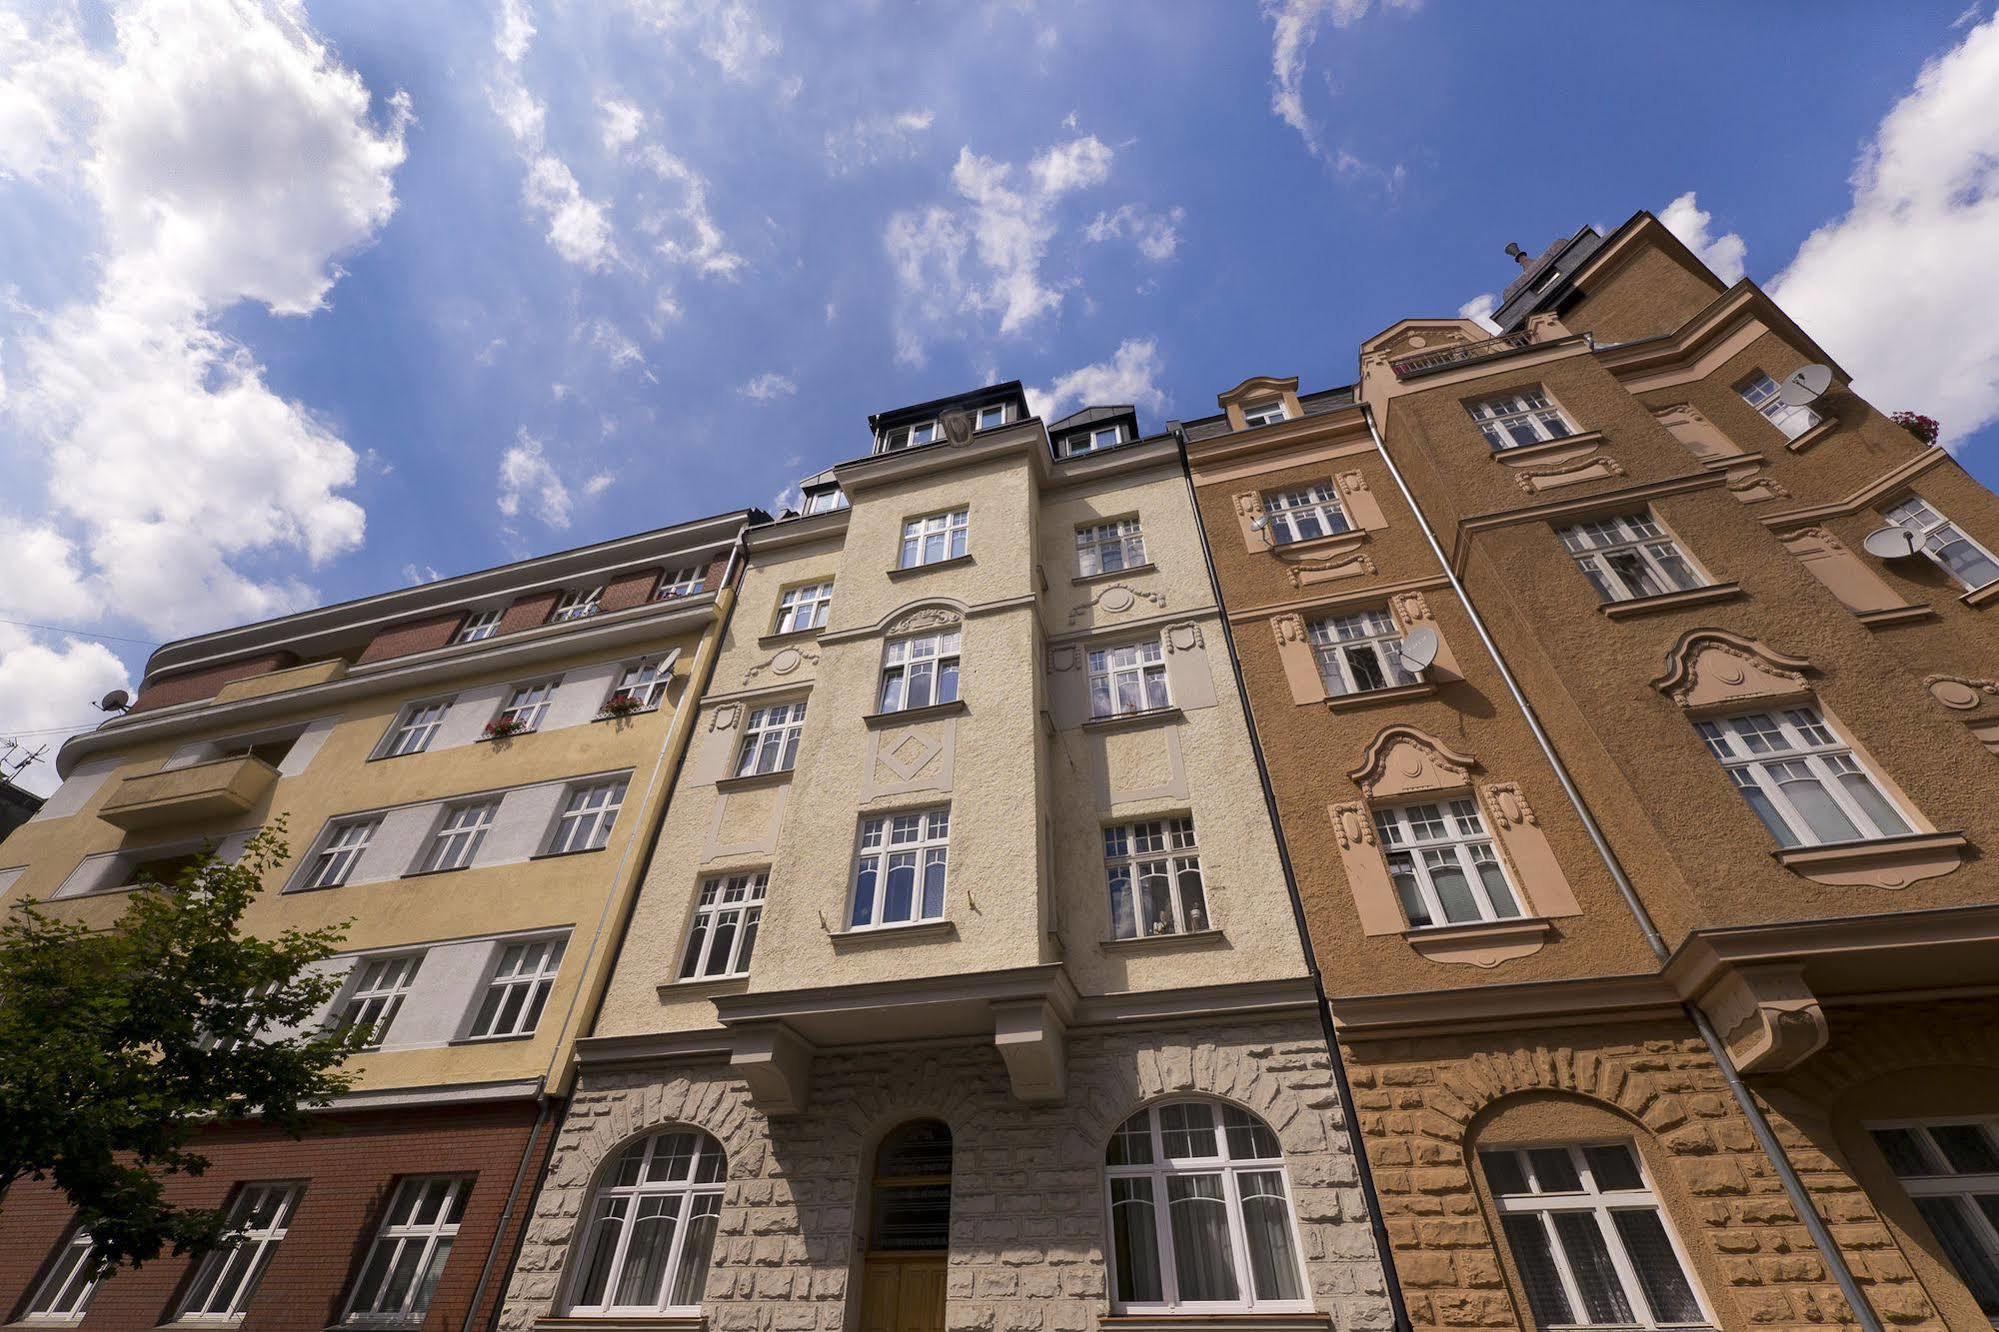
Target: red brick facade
[[349, 1170], [629, 590], [190, 686], [528, 611], [422, 635]]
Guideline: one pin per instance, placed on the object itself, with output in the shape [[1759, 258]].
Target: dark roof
[[1314, 404], [1010, 391], [1528, 294], [1089, 416]]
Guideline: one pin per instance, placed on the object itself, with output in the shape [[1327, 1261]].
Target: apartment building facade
[[468, 770], [1636, 793], [964, 988]]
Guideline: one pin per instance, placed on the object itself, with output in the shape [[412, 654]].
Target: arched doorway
[[909, 1230]]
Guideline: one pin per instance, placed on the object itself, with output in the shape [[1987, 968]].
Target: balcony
[[1462, 353], [200, 793]]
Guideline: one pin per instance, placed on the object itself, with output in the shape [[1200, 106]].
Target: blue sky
[[303, 302]]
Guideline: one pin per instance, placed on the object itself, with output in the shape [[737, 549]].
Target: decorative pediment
[[1405, 761], [923, 619], [1304, 573], [1257, 386], [1711, 668], [1410, 337]]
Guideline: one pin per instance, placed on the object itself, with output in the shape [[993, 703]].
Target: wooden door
[[903, 1293]]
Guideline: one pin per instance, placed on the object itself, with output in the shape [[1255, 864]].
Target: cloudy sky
[[299, 302]]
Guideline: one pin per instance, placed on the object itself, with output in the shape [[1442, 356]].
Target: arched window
[[912, 1190], [1201, 1213], [651, 1227]]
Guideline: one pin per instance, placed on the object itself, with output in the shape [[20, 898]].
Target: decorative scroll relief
[[1304, 573], [1533, 480], [1959, 693], [1117, 599], [1748, 484], [1184, 637], [922, 618], [783, 662], [1710, 668], [1067, 657], [724, 716], [1402, 760], [1768, 1017]]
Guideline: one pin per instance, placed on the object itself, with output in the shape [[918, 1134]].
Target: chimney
[[1520, 256]]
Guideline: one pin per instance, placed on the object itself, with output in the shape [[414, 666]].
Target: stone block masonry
[[1028, 1225]]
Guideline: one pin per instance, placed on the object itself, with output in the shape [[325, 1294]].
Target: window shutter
[[1301, 668]]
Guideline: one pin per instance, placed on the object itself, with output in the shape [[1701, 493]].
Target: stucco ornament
[[922, 618], [1402, 760], [783, 662], [1288, 628], [1711, 667], [1590, 467], [1411, 608], [1117, 598], [1249, 504], [1353, 827], [1509, 805], [1184, 637], [1959, 693], [1065, 657], [1303, 573], [1768, 1016], [724, 716]]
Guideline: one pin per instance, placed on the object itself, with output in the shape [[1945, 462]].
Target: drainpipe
[[547, 1104], [1801, 1201], [1384, 1254]]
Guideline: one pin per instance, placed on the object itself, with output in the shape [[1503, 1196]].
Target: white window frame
[[1305, 513], [925, 665], [979, 421], [340, 851], [897, 438], [1761, 392], [1746, 744], [1420, 838], [1942, 1183], [1602, 1205], [1155, 862], [1520, 419], [645, 681], [770, 739], [1110, 546], [1654, 563], [415, 727], [512, 1000], [918, 841], [803, 607], [528, 703], [1142, 666], [1264, 411], [684, 582], [1939, 534], [1092, 440], [1260, 1155], [935, 538], [432, 1236], [460, 831], [479, 625], [722, 933], [374, 994], [234, 1272], [1344, 644], [63, 1295], [825, 500], [696, 1195], [577, 603], [589, 813]]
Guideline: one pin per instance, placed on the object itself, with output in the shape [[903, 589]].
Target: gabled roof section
[[1090, 416], [1543, 283]]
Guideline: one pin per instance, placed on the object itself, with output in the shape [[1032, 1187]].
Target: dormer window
[[1267, 412], [908, 437], [478, 625], [578, 603], [990, 417], [1092, 441], [824, 501]]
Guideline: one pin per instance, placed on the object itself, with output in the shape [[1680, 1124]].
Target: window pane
[[1266, 1223], [1503, 1172], [1904, 1152], [692, 1277], [1589, 1262], [645, 1260], [1613, 1168], [1447, 876], [1132, 1143], [1872, 803], [1958, 1233], [1554, 1171], [1815, 805], [1202, 1260], [1651, 1253], [1135, 1239], [1966, 1147], [1527, 1236]]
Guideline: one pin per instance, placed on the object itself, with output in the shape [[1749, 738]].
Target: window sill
[[1149, 717], [1369, 697], [1351, 539], [579, 851], [791, 636], [1147, 943], [621, 1323], [1979, 596], [1666, 601], [920, 931], [456, 1041], [625, 716], [911, 570], [680, 989], [433, 873], [750, 781], [1102, 574], [875, 721], [1887, 615], [1481, 943], [1813, 436], [1884, 862], [1219, 1322], [1522, 454], [498, 739]]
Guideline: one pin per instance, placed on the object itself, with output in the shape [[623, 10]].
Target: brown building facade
[[1635, 798]]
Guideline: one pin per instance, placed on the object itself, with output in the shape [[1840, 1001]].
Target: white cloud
[[413, 574], [685, 230], [873, 139], [1922, 235], [1002, 228], [48, 686], [1479, 310], [598, 483], [728, 32], [51, 80], [620, 122], [1157, 235], [1724, 254], [1294, 28], [1130, 376], [577, 226], [620, 350], [768, 387], [527, 475]]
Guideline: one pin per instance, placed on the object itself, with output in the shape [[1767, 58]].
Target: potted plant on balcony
[[1922, 427], [621, 705], [504, 728]]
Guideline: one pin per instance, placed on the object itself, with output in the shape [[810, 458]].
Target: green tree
[[119, 1047]]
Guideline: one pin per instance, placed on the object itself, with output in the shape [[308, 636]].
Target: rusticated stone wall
[[1027, 1209], [1426, 1105]]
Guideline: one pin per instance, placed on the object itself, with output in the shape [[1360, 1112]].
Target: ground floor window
[[1951, 1172], [651, 1227]]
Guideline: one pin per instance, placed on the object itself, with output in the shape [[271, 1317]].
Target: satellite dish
[[115, 701], [1805, 386], [1258, 523], [1892, 543], [1419, 649]]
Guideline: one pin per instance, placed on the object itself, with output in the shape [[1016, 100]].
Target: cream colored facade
[[1010, 1012]]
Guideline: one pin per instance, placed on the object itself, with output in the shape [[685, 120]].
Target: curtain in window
[[1266, 1220], [1201, 1256], [1135, 1232]]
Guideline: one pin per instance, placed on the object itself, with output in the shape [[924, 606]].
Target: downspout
[[507, 1213], [1766, 1137], [1357, 1146]]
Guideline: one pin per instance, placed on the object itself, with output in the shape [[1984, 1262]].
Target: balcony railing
[[199, 793], [1462, 353]]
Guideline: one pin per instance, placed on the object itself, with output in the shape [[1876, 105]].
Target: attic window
[[1080, 442], [908, 437], [1267, 412], [825, 501], [1546, 280], [990, 417]]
